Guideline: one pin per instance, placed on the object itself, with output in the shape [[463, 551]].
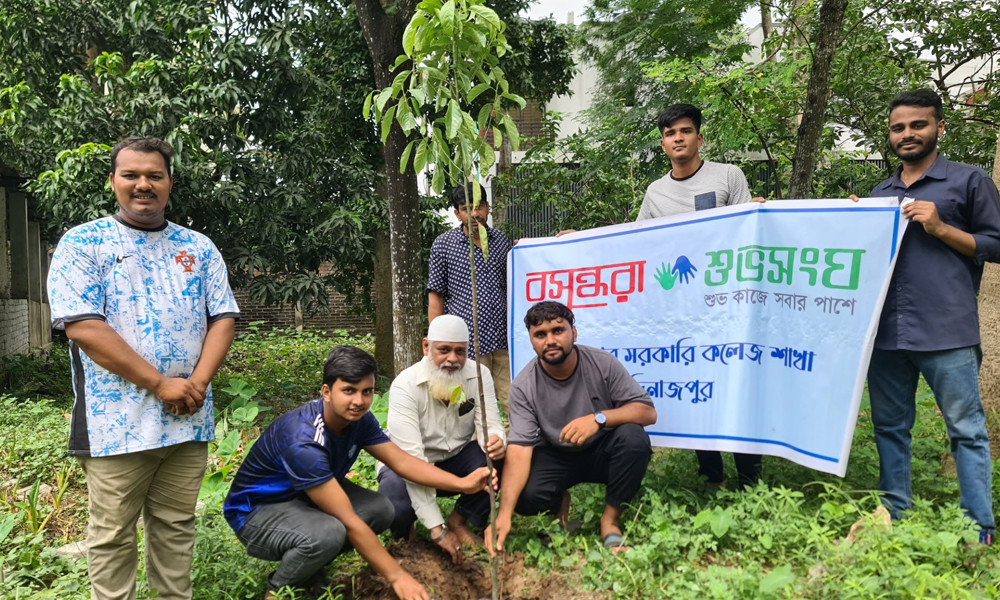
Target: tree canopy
[[260, 100], [754, 100]]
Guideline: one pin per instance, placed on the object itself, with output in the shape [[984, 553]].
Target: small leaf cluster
[[451, 62]]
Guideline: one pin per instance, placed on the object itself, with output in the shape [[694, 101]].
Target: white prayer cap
[[448, 328]]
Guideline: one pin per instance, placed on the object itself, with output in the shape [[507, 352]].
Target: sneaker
[[985, 538]]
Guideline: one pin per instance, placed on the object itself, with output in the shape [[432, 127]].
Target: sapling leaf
[[457, 394], [452, 119], [367, 106], [420, 158], [482, 240], [405, 160]]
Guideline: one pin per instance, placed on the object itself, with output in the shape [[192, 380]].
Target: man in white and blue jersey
[[291, 500], [149, 313]]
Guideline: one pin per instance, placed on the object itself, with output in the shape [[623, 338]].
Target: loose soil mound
[[469, 581]]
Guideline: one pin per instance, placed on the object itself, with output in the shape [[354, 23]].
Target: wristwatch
[[601, 419], [440, 536]]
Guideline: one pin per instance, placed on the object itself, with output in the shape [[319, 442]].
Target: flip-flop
[[573, 526], [612, 540]]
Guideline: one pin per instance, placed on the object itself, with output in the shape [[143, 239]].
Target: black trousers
[[747, 467], [617, 459], [474, 507]]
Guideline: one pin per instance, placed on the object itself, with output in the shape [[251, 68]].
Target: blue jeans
[[953, 376], [304, 538]]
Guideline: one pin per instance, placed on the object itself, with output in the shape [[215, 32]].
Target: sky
[[559, 8]]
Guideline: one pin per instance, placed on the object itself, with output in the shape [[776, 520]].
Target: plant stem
[[494, 563]]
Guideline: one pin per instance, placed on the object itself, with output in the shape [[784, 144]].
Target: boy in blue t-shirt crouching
[[291, 500]]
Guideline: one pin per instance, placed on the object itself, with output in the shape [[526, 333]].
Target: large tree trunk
[[831, 18], [989, 324], [384, 34]]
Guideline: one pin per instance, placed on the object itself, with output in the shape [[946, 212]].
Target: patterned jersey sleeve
[[75, 292], [220, 301]]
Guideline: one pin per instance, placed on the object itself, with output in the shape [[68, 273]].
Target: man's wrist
[[436, 538]]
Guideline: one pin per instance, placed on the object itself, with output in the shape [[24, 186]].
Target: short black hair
[[144, 144], [925, 97], [463, 194], [547, 311], [676, 112], [348, 363]]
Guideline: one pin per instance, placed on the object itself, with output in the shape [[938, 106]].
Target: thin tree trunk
[[766, 28], [831, 18], [996, 162], [383, 304]]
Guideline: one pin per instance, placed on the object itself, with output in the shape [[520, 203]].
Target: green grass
[[783, 539]]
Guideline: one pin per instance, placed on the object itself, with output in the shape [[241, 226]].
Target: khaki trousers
[[162, 485], [498, 362]]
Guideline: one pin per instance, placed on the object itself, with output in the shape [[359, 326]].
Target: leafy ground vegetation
[[790, 537]]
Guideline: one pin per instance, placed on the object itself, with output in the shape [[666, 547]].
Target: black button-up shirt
[[931, 304]]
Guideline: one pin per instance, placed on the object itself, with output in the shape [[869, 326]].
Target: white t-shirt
[[159, 290], [713, 185]]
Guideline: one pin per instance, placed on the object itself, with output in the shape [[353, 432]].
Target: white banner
[[751, 327]]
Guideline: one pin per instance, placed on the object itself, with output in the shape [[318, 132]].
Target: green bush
[[785, 538], [45, 374], [33, 438], [285, 366]]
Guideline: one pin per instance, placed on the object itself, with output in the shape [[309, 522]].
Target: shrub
[[284, 366]]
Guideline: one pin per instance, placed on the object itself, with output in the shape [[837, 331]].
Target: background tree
[[262, 99], [543, 61], [274, 161], [616, 154], [453, 51]]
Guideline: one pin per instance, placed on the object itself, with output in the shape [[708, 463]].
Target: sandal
[[612, 540]]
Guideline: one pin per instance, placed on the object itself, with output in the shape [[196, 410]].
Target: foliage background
[[784, 538]]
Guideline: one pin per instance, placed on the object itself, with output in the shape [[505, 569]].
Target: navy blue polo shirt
[[449, 275], [931, 303]]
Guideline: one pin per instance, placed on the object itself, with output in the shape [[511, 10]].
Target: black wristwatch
[[601, 419]]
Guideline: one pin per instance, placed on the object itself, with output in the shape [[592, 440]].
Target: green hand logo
[[667, 276], [664, 276]]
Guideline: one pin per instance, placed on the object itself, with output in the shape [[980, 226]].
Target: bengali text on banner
[[751, 327]]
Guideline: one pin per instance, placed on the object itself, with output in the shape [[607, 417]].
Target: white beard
[[440, 381]]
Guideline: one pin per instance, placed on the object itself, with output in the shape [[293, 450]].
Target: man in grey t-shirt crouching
[[576, 415]]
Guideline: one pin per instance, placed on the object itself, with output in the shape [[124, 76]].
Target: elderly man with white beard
[[425, 422]]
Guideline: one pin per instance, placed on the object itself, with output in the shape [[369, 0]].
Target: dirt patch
[[469, 581], [989, 376]]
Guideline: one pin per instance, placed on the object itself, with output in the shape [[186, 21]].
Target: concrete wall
[[24, 261], [14, 329]]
